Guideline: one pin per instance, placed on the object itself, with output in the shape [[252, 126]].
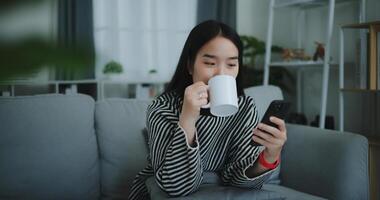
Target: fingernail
[[271, 118]]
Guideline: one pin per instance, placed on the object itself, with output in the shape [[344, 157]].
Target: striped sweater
[[222, 145]]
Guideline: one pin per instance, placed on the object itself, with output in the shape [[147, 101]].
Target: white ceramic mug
[[223, 99]]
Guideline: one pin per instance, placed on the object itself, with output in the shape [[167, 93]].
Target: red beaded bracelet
[[267, 165]]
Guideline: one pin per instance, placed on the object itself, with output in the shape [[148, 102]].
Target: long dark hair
[[199, 36]]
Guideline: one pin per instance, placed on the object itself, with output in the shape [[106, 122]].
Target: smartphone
[[277, 108]]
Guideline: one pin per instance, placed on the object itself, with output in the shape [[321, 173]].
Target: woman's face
[[219, 56]]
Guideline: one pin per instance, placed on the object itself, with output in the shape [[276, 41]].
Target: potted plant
[[253, 48], [152, 74], [152, 71], [112, 68]]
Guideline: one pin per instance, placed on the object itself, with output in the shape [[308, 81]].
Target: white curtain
[[142, 35]]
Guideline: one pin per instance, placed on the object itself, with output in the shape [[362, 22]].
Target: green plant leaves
[[113, 67], [31, 55], [279, 76], [254, 47]]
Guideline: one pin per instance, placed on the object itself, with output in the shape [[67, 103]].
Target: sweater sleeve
[[177, 166], [242, 154]]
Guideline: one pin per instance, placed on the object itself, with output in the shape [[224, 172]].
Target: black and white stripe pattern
[[223, 145]]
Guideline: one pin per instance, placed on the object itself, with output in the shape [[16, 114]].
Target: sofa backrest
[[48, 148], [123, 153], [263, 96]]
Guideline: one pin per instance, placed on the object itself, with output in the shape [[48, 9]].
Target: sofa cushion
[[290, 193], [211, 188], [48, 148], [119, 125], [213, 191]]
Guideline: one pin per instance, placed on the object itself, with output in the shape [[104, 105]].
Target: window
[[142, 35]]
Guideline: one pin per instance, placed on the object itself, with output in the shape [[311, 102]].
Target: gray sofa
[[71, 147]]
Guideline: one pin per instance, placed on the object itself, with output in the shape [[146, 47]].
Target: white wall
[[253, 18], [142, 35]]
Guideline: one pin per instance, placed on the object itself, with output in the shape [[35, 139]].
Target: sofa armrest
[[325, 163]]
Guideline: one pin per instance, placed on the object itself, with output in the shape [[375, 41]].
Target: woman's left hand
[[272, 138]]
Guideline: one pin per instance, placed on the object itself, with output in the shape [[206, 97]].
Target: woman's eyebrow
[[213, 56], [209, 56]]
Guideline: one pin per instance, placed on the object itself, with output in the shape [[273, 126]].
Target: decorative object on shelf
[[152, 71], [295, 54], [287, 54], [252, 48], [112, 68], [5, 94], [71, 89], [301, 55], [142, 91], [319, 51], [146, 91], [152, 74]]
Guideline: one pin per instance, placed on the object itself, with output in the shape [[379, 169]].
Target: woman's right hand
[[195, 97]]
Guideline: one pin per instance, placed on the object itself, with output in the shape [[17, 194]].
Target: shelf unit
[[299, 64], [296, 63], [372, 86], [65, 87], [373, 68], [74, 86]]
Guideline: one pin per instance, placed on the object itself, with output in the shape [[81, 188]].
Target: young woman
[[185, 140]]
